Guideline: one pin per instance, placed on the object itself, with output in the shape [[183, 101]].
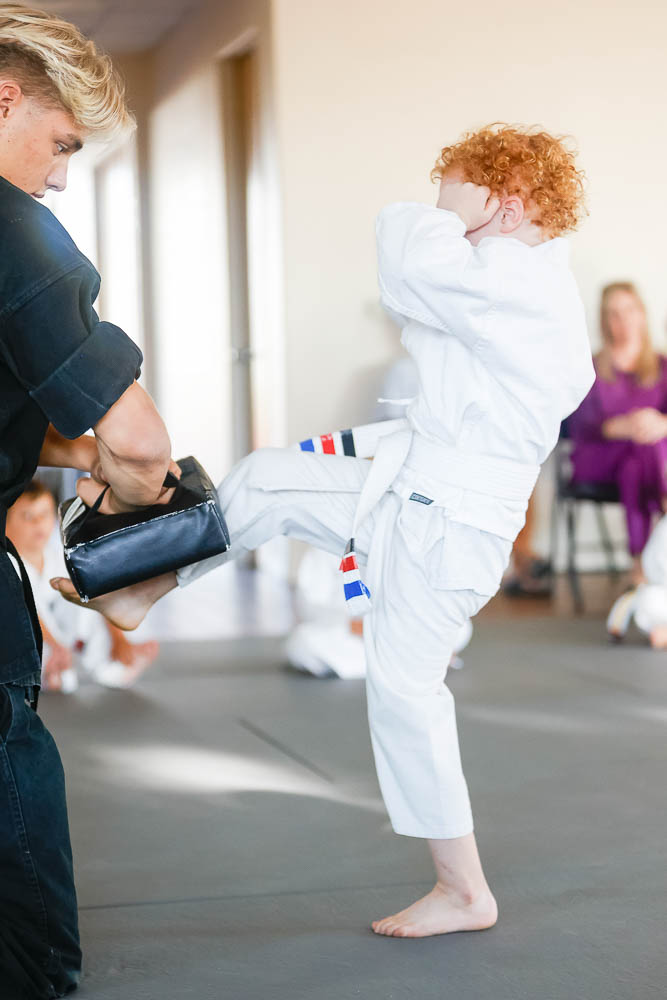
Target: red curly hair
[[520, 160]]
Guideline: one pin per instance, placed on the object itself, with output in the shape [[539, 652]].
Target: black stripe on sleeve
[[347, 437]]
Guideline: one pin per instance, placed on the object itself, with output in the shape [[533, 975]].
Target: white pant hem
[[451, 833]]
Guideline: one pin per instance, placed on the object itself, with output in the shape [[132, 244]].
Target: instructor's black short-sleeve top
[[59, 364]]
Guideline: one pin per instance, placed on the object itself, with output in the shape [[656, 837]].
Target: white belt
[[501, 478], [390, 453]]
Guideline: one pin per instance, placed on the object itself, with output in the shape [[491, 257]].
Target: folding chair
[[568, 498]]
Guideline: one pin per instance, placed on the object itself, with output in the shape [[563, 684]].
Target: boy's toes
[[385, 927]]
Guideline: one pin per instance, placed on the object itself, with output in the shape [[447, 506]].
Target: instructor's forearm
[[61, 453], [135, 482], [134, 448]]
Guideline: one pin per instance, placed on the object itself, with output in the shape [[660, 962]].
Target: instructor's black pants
[[39, 939]]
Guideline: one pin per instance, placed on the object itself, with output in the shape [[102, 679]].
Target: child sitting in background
[[72, 638], [646, 603]]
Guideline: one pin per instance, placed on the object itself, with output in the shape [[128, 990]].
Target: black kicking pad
[[105, 552]]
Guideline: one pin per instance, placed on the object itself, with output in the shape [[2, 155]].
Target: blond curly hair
[[523, 161], [54, 63]]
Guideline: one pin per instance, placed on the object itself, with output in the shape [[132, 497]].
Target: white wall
[[121, 294], [191, 378], [75, 206], [188, 239]]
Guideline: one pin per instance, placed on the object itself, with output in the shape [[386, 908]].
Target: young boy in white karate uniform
[[491, 315]]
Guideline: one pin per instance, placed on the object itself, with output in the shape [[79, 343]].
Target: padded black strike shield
[[105, 552]]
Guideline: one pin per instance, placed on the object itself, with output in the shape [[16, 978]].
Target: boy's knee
[[269, 468], [261, 460], [254, 477], [254, 468]]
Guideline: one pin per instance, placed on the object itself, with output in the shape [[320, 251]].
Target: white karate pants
[[422, 571]]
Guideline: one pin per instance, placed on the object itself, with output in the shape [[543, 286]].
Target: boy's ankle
[[464, 895]]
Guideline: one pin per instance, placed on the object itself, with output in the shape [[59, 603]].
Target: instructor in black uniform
[[62, 372]]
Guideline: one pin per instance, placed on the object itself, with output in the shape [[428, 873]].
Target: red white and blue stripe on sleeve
[[338, 443]]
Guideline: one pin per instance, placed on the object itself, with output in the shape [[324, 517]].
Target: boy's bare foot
[[440, 912], [126, 608]]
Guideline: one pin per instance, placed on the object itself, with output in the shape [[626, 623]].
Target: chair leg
[[553, 533], [607, 543], [573, 576]]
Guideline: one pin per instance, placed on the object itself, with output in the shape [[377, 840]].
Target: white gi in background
[[322, 644], [499, 338], [647, 603], [74, 627]]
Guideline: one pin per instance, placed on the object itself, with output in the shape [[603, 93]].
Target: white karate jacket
[[499, 338]]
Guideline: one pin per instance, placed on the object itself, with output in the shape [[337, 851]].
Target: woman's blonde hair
[[54, 63], [647, 370]]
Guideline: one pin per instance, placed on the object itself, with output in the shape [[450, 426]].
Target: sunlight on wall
[[118, 214], [75, 206], [192, 356]]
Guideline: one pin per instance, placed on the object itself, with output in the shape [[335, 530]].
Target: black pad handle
[[170, 480]]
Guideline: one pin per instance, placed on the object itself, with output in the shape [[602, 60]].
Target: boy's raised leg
[[318, 508]]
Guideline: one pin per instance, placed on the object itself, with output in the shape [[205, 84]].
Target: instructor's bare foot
[[440, 912], [126, 608]]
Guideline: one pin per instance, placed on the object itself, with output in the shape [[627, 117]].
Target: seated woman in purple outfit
[[620, 429]]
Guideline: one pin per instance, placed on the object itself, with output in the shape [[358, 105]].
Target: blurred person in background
[[72, 638], [620, 429], [531, 575], [646, 603]]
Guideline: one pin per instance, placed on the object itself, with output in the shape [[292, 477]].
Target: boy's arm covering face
[[429, 272], [513, 305]]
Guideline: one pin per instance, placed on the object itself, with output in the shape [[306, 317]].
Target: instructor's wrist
[[86, 454]]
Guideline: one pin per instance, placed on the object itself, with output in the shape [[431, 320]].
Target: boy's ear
[[512, 214]]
